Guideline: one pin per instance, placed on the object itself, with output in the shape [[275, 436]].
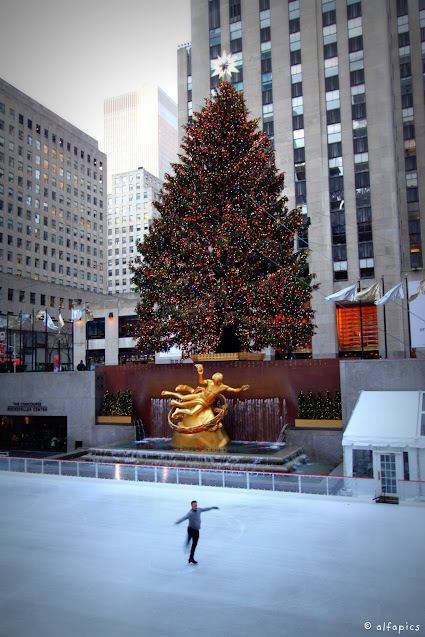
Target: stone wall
[[268, 379], [319, 445], [378, 375], [70, 394]]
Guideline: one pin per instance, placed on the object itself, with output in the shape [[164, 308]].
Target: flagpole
[[408, 316], [361, 322], [7, 339], [45, 340], [20, 339], [385, 319], [33, 349]]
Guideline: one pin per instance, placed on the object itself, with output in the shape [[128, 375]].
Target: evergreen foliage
[[108, 401], [120, 404], [311, 405], [315, 408], [301, 405], [337, 405], [319, 411], [218, 270], [328, 411]]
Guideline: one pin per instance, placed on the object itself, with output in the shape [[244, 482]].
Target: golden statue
[[199, 420]]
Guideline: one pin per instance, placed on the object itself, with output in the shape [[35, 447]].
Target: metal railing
[[289, 482]]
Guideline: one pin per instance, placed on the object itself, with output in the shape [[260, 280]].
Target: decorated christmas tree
[[319, 412], [218, 271], [337, 405], [310, 410], [328, 412], [301, 405]]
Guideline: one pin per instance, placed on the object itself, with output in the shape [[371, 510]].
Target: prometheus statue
[[199, 421]]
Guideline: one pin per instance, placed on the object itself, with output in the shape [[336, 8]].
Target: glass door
[[388, 473]]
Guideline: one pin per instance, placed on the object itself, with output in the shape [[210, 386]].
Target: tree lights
[[218, 269]]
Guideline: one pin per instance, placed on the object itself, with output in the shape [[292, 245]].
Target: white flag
[[50, 323], [46, 320], [347, 294], [76, 315], [396, 292], [61, 322], [369, 294], [420, 290], [14, 321]]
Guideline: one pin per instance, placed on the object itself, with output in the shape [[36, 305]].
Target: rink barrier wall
[[347, 486], [242, 479]]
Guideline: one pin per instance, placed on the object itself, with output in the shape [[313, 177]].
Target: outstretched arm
[[201, 380], [181, 519], [237, 389]]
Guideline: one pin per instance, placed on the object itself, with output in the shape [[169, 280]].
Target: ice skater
[[194, 517]]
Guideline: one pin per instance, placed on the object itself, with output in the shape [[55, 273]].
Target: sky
[[71, 56]]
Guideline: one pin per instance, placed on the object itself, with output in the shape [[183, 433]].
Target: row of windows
[[53, 136], [44, 265], [44, 300], [411, 179]]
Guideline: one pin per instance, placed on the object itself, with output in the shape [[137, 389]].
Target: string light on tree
[[218, 270]]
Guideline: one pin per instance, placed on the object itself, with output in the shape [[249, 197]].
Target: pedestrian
[[194, 518], [81, 367]]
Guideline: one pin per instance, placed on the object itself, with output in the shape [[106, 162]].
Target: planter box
[[251, 356], [318, 424], [114, 420], [235, 356], [201, 358]]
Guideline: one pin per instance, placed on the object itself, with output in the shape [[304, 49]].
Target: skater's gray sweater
[[194, 517]]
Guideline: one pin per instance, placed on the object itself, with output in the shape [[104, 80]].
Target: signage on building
[[33, 407]]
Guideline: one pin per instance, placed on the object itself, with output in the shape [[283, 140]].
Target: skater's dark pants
[[192, 534]]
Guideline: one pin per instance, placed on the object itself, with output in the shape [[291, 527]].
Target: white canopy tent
[[385, 440]]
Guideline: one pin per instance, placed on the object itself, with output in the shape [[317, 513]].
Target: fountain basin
[[276, 457]]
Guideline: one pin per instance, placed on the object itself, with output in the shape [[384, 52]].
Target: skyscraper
[[338, 87], [140, 130], [130, 213], [52, 181]]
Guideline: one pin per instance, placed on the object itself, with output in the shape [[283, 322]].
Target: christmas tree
[[328, 412], [218, 270], [319, 412]]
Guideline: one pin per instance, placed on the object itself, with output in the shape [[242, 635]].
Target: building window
[[357, 327], [95, 329]]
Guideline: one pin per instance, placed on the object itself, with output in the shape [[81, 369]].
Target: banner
[[370, 294], [396, 292], [76, 315], [347, 294]]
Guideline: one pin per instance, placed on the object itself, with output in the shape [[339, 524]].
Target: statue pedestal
[[204, 439]]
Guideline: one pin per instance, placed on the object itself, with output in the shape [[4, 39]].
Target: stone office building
[[338, 86]]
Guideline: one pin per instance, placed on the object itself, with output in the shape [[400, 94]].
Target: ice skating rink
[[86, 557]]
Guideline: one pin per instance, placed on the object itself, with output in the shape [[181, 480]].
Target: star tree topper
[[224, 66]]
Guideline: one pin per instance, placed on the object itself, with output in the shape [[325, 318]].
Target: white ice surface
[[86, 557]]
